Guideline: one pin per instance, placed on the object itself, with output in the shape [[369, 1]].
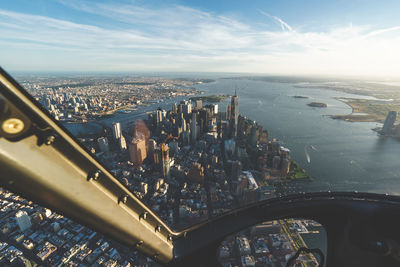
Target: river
[[342, 156]]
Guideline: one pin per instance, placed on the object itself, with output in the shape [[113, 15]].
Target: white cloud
[[283, 24], [182, 38]]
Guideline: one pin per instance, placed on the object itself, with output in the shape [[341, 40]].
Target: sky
[[349, 38]]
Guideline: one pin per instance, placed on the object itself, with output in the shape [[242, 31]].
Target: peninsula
[[367, 110]]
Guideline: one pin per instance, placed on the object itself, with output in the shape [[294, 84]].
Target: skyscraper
[[193, 127], [389, 122], [122, 143], [229, 146], [116, 130], [228, 113], [159, 116], [234, 115], [137, 151], [215, 108], [23, 220], [199, 104], [187, 109], [236, 170], [276, 163], [141, 131], [165, 160], [203, 119]]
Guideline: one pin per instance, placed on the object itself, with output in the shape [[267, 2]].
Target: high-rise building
[[116, 130], [137, 151], [103, 144], [183, 125], [199, 104], [285, 167], [185, 137], [173, 145], [174, 108], [157, 156], [276, 163], [253, 137], [215, 108], [187, 109], [159, 116], [389, 122], [234, 115], [152, 145], [180, 108], [23, 220], [141, 131], [165, 160], [122, 143], [228, 113], [276, 147], [193, 127], [48, 102], [165, 152], [230, 147], [236, 170], [203, 119]]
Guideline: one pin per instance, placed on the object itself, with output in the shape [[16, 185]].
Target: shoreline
[[367, 117]]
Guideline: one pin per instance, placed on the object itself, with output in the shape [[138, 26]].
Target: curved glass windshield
[[200, 108], [196, 147]]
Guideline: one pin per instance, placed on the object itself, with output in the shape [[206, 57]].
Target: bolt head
[[124, 199], [13, 126], [50, 139], [96, 175], [143, 216]]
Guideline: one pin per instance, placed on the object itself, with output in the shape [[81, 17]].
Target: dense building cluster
[[193, 162], [34, 236], [268, 244], [85, 99]]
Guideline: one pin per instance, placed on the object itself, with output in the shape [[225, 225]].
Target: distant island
[[300, 96], [196, 81], [317, 105], [210, 98]]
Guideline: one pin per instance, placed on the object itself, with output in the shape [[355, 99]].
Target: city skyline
[[358, 38]]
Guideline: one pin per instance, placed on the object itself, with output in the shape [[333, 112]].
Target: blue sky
[[358, 37]]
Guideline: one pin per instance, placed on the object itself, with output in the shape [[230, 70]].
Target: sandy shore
[[357, 108]]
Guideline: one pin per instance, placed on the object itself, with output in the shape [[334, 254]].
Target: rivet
[[123, 199], [158, 228], [50, 139], [169, 238], [95, 176], [143, 215], [138, 244], [13, 126]]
